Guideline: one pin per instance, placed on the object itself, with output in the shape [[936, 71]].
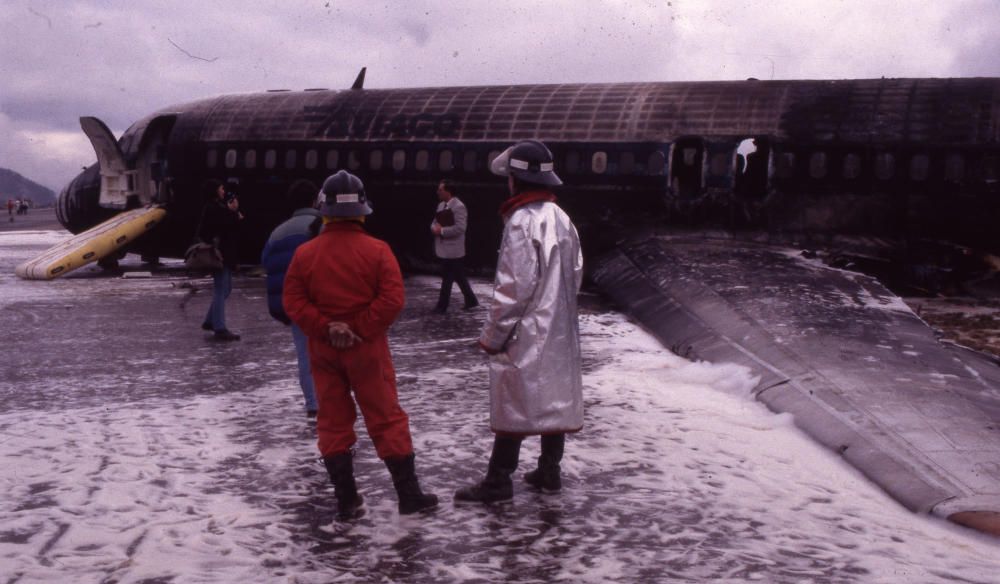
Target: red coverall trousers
[[365, 368]]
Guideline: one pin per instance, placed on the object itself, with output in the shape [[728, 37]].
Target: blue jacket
[[278, 252]]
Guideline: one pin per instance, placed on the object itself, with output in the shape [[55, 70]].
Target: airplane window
[[785, 165], [250, 159], [954, 168], [689, 154], [446, 160], [398, 159], [572, 162], [290, 159], [599, 162], [817, 165], [375, 160], [270, 158], [312, 159], [230, 158], [332, 158], [885, 164], [720, 163], [469, 161], [212, 158], [353, 160], [626, 163], [423, 160], [852, 166], [657, 163], [918, 167]]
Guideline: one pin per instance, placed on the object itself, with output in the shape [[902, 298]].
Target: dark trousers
[[453, 271]]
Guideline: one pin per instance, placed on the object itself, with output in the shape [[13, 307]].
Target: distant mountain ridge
[[15, 186]]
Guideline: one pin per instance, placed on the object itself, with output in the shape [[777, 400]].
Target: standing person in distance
[[304, 225], [531, 331], [449, 226], [344, 289], [220, 221]]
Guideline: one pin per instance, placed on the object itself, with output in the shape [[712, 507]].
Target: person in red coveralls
[[344, 289]]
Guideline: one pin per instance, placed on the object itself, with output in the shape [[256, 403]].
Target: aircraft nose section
[[78, 207]]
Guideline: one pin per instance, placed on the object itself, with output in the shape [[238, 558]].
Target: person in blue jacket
[[304, 224]]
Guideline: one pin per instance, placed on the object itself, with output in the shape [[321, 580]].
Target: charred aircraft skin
[[902, 159]]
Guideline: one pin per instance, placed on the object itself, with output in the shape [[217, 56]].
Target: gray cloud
[[120, 60]]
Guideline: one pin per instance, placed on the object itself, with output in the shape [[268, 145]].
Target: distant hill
[[15, 186]]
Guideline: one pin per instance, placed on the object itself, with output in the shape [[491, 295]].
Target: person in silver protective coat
[[532, 331]]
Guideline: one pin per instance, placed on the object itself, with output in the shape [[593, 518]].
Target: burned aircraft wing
[[858, 370]]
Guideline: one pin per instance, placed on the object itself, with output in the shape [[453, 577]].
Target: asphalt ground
[[36, 219], [135, 448]]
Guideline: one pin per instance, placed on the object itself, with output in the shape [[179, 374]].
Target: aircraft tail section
[[91, 245]]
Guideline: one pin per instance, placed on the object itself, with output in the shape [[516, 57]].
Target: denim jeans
[[305, 373], [222, 285]]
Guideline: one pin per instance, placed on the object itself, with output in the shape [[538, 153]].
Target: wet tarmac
[[134, 448], [35, 219]]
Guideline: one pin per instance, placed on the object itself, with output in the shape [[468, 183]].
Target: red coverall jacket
[[346, 275]]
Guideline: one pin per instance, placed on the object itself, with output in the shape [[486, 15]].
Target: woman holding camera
[[220, 224]]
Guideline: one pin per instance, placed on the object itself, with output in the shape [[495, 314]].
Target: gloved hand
[[489, 350], [341, 335]]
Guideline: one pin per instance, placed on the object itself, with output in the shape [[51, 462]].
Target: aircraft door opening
[[753, 168], [151, 172], [686, 168]]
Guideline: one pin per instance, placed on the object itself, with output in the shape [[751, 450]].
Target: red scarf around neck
[[522, 199]]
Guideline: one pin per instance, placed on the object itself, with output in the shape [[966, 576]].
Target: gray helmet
[[529, 161], [343, 195]]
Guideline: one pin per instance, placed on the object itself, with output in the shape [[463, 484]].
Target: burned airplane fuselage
[[901, 159]]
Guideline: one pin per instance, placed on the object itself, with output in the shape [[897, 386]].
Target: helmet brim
[[549, 178], [501, 167], [345, 209], [501, 164]]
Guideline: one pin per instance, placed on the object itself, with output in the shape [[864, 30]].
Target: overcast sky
[[119, 60]]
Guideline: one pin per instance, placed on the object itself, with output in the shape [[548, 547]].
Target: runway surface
[[135, 449]]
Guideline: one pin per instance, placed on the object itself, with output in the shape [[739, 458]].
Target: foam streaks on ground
[[165, 457]]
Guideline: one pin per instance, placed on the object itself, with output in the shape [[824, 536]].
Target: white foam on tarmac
[[17, 247], [675, 452], [678, 475]]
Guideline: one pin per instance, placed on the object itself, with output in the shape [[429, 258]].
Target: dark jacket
[[221, 224], [278, 252]]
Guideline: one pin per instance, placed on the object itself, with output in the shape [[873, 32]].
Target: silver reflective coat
[[535, 381]]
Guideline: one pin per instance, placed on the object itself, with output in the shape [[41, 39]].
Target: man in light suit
[[448, 227]]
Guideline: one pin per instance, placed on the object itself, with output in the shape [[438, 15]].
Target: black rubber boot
[[226, 335], [404, 478], [497, 485], [341, 470], [546, 476]]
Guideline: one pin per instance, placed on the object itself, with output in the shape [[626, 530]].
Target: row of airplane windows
[[447, 160], [919, 167], [821, 164]]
